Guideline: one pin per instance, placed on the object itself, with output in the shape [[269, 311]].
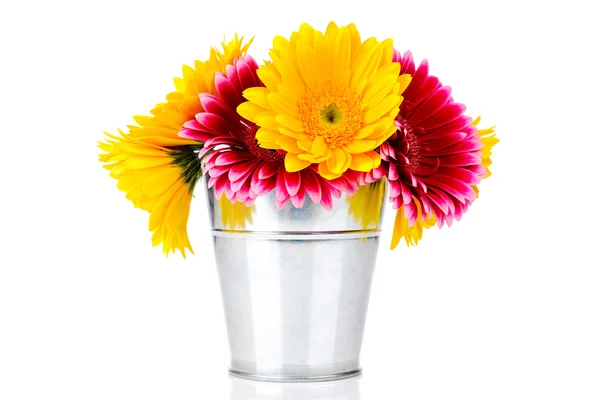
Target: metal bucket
[[295, 283]]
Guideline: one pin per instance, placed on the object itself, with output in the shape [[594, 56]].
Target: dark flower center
[[331, 115], [248, 137], [410, 144]]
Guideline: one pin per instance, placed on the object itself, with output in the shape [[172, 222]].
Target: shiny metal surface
[[243, 389], [295, 283]]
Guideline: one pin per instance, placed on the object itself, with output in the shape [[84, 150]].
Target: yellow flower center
[[332, 112]]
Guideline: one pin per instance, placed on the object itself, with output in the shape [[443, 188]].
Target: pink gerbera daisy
[[434, 159], [237, 166]]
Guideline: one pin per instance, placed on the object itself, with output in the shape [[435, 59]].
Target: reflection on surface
[[235, 215], [365, 205], [345, 389]]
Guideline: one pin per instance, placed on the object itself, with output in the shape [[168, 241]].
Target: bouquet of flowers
[[328, 113]]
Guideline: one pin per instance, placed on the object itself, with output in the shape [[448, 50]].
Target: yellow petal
[[360, 146], [308, 65], [411, 234], [249, 110], [364, 63], [387, 51], [266, 135], [381, 84], [326, 173], [291, 133], [289, 144], [339, 162], [267, 119], [160, 181], [319, 147], [281, 104], [269, 75], [293, 163], [306, 145], [290, 123], [384, 107], [365, 162], [341, 55], [375, 130], [258, 96], [354, 38], [315, 159], [404, 80]]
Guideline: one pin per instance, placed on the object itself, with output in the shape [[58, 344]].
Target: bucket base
[[294, 379]]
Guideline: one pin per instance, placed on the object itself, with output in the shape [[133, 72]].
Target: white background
[[504, 305]]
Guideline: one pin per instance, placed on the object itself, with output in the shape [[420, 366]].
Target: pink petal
[[292, 182], [214, 105], [210, 159], [268, 169], [221, 185], [395, 189], [217, 171], [430, 86], [194, 135], [442, 203], [247, 75], [193, 124], [243, 192], [326, 200], [232, 76], [263, 186], [460, 160], [280, 203], [378, 173], [464, 146], [445, 115], [297, 200], [231, 157], [240, 171], [406, 194], [430, 106], [444, 142], [462, 174], [418, 80], [393, 173], [407, 63], [453, 186], [213, 123], [477, 169], [227, 92], [457, 125], [311, 185], [281, 192], [427, 166]]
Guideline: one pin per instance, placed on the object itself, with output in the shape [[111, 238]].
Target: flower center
[[411, 144], [248, 137], [331, 115], [332, 112]]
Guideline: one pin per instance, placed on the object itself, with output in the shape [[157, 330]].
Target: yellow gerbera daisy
[[155, 167], [329, 99], [162, 127], [158, 180]]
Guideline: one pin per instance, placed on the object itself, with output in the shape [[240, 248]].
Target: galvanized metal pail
[[295, 283]]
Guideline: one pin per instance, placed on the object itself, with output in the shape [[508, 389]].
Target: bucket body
[[295, 283]]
